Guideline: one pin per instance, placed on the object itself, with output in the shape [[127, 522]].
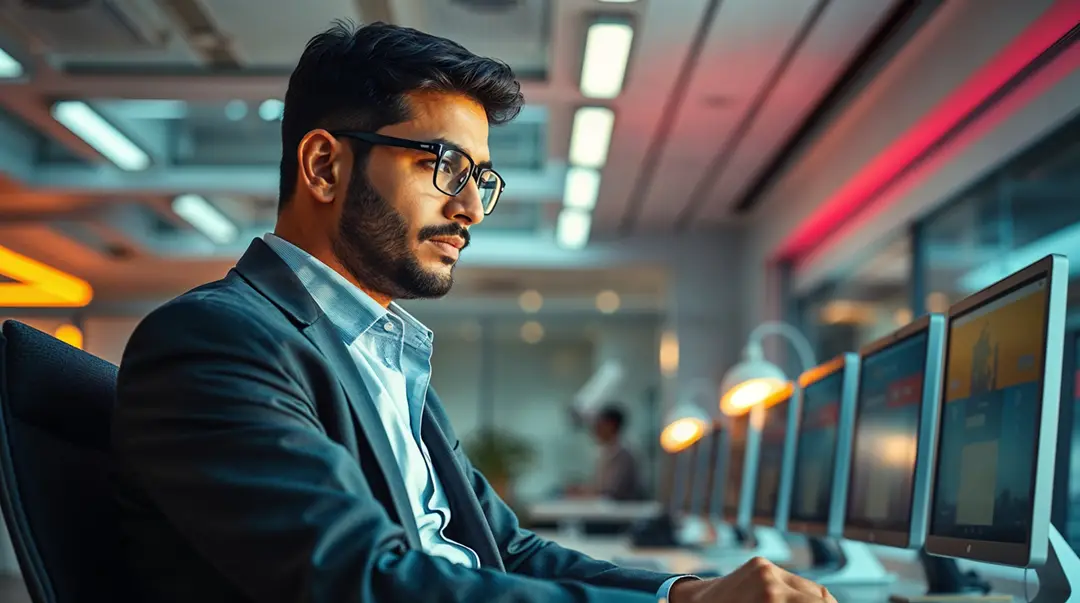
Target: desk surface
[[592, 510], [910, 581]]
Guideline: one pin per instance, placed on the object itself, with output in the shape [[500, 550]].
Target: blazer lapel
[[465, 509], [322, 334], [261, 267]]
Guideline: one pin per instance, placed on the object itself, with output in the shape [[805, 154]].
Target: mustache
[[445, 230]]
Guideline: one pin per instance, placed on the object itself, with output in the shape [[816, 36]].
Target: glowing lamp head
[[686, 425], [750, 382]]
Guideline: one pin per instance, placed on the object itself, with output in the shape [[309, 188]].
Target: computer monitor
[[776, 454], [823, 447], [998, 424], [743, 437], [896, 410], [712, 481], [688, 464], [700, 479]]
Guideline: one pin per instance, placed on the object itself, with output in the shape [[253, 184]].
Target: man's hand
[[757, 581]]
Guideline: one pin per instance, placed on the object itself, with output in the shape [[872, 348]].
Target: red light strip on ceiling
[[862, 189]]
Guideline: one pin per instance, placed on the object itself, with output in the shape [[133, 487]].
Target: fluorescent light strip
[[582, 188], [85, 123], [205, 218], [607, 50], [591, 136], [9, 67], [572, 230]]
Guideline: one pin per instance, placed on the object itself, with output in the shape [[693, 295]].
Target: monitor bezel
[[1055, 269], [778, 518], [847, 364], [918, 518]]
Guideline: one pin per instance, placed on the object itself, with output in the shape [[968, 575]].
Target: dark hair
[[614, 414], [357, 77]]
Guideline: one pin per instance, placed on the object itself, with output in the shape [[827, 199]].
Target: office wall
[[106, 336]]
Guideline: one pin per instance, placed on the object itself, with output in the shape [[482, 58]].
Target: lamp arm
[[798, 341]]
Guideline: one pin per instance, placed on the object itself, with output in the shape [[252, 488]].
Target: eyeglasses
[[453, 169]]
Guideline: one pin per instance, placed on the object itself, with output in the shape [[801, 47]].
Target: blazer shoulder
[[222, 312]]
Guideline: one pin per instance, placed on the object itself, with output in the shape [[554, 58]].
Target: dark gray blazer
[[252, 466]]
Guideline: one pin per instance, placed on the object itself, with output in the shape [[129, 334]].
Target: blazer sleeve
[[526, 553], [214, 424]]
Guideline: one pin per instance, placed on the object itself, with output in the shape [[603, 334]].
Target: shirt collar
[[347, 306]]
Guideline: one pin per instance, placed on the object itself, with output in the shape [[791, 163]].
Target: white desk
[[562, 511], [617, 548]]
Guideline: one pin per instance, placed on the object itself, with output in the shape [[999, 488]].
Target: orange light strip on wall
[[39, 285]]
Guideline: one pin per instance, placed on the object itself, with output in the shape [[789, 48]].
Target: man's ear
[[319, 155]]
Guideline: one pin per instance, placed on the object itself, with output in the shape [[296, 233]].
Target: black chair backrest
[[56, 405]]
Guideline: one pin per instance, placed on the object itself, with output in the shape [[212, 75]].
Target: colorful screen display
[[886, 436], [988, 433], [771, 459], [815, 457]]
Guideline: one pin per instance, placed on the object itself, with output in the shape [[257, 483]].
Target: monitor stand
[[845, 563], [1059, 577], [745, 544], [1054, 576]]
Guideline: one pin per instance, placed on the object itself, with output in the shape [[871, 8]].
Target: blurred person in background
[[275, 435], [617, 476]]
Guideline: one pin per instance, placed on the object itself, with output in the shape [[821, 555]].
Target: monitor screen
[[886, 436], [771, 459], [988, 435], [738, 434], [815, 457]]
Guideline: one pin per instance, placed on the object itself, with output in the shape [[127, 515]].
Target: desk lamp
[[688, 420], [754, 379]]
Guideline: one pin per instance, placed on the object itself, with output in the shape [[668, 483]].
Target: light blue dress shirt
[[392, 350]]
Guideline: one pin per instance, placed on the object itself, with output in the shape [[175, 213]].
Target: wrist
[[682, 590]]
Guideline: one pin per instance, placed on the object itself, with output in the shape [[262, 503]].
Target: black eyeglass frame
[[437, 149]]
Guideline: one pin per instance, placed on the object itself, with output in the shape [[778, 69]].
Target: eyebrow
[[447, 142]]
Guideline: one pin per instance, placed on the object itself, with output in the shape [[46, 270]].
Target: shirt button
[[389, 326]]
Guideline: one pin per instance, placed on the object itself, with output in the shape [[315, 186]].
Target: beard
[[372, 243]]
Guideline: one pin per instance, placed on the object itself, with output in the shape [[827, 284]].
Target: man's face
[[603, 430], [397, 233]]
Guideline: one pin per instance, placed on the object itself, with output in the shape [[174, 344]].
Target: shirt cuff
[[665, 588]]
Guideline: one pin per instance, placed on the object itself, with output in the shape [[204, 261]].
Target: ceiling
[[714, 90]]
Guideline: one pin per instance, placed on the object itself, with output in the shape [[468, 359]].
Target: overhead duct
[[85, 26], [203, 34]]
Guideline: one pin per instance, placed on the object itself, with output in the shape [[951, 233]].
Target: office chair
[[56, 405]]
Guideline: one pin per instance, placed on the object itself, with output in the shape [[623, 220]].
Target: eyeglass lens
[[453, 173]]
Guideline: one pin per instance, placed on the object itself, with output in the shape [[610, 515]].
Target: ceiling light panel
[[590, 137], [607, 51]]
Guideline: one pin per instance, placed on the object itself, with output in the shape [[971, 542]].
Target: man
[[275, 434], [617, 475]]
